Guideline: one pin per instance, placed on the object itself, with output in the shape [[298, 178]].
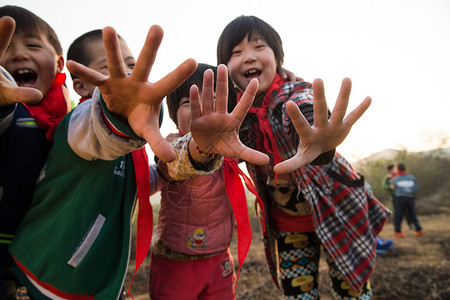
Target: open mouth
[[25, 77], [252, 73]]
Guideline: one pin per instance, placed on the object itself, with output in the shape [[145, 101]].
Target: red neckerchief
[[238, 200], [266, 138], [50, 111], [145, 213], [82, 99], [400, 173]]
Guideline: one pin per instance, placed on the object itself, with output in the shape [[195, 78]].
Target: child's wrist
[[202, 153]]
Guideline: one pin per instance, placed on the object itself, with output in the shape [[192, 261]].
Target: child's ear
[[60, 64], [80, 88]]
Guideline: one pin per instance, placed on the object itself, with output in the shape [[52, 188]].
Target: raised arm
[[213, 129], [10, 93], [326, 134], [133, 98]]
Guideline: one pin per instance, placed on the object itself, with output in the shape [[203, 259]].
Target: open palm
[[132, 98], [215, 130], [326, 134]]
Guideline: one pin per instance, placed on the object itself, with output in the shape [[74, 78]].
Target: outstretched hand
[[215, 130], [326, 134], [9, 92], [132, 98]]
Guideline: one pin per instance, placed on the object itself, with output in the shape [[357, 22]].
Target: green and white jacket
[[74, 242]]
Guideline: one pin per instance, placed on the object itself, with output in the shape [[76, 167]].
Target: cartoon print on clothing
[[341, 287], [305, 283], [287, 197], [197, 239], [227, 268], [297, 240], [22, 293]]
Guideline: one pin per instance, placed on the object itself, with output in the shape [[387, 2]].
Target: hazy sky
[[396, 51]]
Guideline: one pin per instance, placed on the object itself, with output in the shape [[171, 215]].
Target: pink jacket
[[196, 217]]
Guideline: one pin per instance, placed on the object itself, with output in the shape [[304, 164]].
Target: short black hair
[[248, 26], [174, 98], [30, 24], [390, 167], [77, 50], [401, 167]]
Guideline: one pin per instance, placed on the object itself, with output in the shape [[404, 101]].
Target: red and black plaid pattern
[[347, 218]]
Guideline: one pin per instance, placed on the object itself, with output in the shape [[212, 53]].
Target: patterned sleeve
[[302, 95], [184, 167]]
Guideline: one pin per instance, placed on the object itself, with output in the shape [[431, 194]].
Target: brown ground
[[420, 269]]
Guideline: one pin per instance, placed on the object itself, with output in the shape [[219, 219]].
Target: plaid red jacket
[[346, 216]]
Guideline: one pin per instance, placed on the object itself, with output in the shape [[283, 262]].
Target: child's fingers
[[298, 119], [196, 110], [116, 67], [254, 157], [10, 93], [320, 104], [246, 101], [341, 105], [355, 114], [26, 95], [292, 164], [148, 53], [222, 89], [207, 100], [159, 145], [85, 73], [174, 79], [7, 26]]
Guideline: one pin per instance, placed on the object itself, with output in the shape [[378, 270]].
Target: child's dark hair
[[174, 98], [31, 25], [401, 167], [77, 50], [251, 27]]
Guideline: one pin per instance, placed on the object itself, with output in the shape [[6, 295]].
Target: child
[[405, 188], [74, 242], [196, 221], [34, 59], [88, 50], [316, 198]]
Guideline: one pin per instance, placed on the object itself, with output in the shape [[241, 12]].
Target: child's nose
[[18, 52], [249, 56]]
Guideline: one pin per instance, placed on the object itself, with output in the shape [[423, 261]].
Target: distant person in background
[[405, 187], [386, 183]]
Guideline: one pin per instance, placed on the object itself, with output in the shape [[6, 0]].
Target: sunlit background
[[396, 51]]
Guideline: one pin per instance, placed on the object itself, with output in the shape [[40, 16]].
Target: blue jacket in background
[[405, 185]]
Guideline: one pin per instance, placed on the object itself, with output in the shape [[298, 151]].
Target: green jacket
[[386, 184], [75, 240]]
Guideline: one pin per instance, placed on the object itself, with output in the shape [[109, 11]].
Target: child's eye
[[236, 52], [33, 45], [131, 66]]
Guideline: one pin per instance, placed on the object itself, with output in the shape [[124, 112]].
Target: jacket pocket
[[87, 241]]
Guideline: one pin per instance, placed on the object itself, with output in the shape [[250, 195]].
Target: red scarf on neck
[[264, 136], [145, 212], [236, 193], [50, 111]]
